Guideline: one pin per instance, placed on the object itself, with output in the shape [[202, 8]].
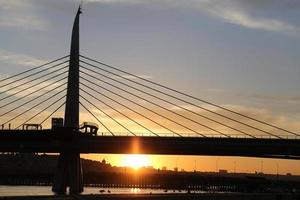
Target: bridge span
[[55, 141]]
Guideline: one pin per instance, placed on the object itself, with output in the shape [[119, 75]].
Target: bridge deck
[[54, 141]]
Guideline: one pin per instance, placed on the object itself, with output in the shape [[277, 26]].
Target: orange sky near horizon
[[208, 163]]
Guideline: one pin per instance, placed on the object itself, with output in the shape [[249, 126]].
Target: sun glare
[[136, 161]]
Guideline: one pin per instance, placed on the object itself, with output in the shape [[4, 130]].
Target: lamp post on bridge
[[69, 170]]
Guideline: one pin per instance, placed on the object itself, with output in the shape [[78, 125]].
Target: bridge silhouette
[[135, 115]]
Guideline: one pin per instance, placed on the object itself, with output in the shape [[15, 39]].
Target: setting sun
[[136, 161]]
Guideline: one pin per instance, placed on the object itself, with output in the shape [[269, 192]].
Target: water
[[46, 190]]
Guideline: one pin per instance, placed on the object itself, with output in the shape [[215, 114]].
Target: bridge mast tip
[[80, 7]]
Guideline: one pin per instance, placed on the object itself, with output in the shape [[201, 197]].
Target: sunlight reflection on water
[[135, 190]]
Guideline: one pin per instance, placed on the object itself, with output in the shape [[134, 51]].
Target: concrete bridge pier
[[68, 173]]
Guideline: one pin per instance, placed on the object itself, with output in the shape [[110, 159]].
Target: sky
[[240, 54]]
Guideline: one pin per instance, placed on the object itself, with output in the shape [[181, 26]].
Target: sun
[[136, 161]]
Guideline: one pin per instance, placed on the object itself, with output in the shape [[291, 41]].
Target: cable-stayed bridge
[[134, 115]]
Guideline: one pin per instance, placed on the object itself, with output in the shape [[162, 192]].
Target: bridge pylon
[[69, 169]]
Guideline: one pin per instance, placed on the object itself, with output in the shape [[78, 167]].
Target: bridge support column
[[69, 170], [68, 173]]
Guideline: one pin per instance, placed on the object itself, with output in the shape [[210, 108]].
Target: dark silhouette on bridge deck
[[163, 109]]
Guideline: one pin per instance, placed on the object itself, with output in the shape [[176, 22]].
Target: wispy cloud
[[20, 14], [19, 59], [236, 13], [248, 14], [43, 87], [259, 113], [26, 61], [282, 99], [113, 1]]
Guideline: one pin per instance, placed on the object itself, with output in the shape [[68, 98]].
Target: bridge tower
[[69, 170]]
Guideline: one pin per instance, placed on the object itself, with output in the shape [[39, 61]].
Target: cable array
[[101, 81], [34, 95], [122, 103]]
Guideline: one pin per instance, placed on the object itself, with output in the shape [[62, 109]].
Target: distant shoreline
[[38, 170]]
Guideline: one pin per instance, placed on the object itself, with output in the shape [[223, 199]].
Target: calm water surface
[[46, 190]]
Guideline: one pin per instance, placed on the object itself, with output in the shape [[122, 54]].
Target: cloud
[[280, 99], [43, 87], [114, 1], [262, 114], [27, 61], [24, 22], [19, 59], [245, 13], [20, 14], [235, 13]]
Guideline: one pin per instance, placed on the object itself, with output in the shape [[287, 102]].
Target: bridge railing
[[195, 135], [143, 134]]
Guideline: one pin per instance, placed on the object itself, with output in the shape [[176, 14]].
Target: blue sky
[[238, 53], [237, 50]]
